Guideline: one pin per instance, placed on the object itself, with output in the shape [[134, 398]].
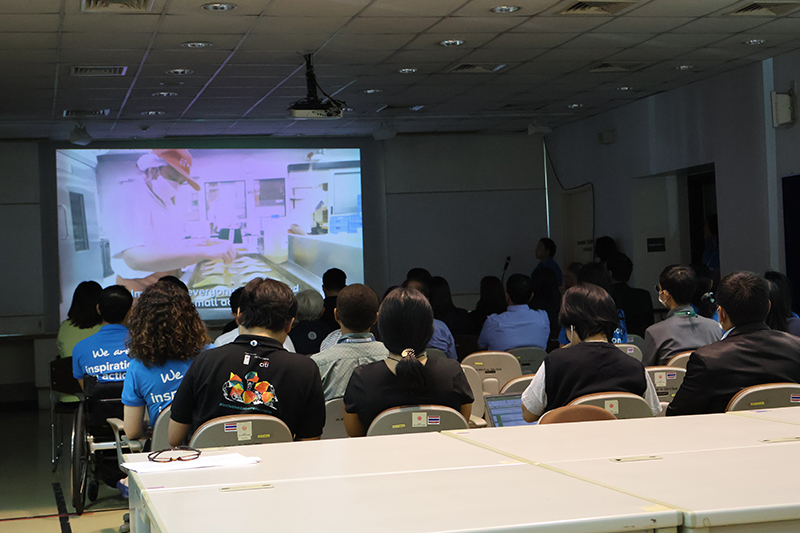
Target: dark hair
[[418, 285], [175, 281], [777, 318], [387, 291], [334, 279], [419, 273], [83, 312], [405, 321], [680, 282], [744, 296], [605, 247], [235, 297], [590, 310], [620, 267], [549, 245], [575, 267], [357, 307], [784, 285], [267, 303], [441, 299], [519, 288], [596, 274], [492, 296], [703, 298], [165, 325], [114, 303]]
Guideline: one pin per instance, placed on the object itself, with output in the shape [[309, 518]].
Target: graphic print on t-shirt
[[259, 395]]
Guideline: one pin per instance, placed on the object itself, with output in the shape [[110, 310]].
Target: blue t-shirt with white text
[[154, 386], [104, 355]]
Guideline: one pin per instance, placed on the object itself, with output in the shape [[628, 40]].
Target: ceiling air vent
[[116, 6], [616, 67], [597, 7], [80, 113], [98, 71], [477, 68], [766, 9]]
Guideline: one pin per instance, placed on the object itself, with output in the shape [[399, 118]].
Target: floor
[[30, 490]]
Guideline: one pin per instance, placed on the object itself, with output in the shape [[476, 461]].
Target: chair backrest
[[416, 419], [61, 379], [334, 420], [160, 439], [517, 384], [494, 368], [680, 360], [575, 413], [476, 384], [236, 430], [667, 380], [620, 404], [103, 401], [636, 340], [632, 350], [530, 358], [765, 396], [465, 345], [435, 352]]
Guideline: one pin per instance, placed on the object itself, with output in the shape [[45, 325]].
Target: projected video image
[[214, 218]]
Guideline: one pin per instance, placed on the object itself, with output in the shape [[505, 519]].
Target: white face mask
[[164, 188]]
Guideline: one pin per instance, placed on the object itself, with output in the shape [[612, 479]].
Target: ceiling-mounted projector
[[311, 107], [80, 136]]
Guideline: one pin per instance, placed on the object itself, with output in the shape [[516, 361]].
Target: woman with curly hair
[[166, 334]]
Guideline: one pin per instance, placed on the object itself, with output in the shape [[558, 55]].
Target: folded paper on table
[[228, 459]]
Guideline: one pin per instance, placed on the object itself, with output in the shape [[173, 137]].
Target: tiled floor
[[28, 486]]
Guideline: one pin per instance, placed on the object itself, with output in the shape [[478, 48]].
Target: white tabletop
[[632, 437], [788, 415], [488, 498], [713, 487], [330, 458]]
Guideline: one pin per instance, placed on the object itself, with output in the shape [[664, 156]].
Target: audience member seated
[[571, 275], [166, 334], [309, 329], [591, 363], [83, 320], [229, 337], [442, 338], [419, 273], [546, 297], [749, 353], [492, 301], [175, 280], [703, 301], [545, 251], [455, 318], [635, 303], [232, 325], [356, 311], [519, 325], [104, 355], [683, 329], [784, 286], [253, 374], [777, 317], [604, 248], [406, 376], [597, 274], [333, 280]]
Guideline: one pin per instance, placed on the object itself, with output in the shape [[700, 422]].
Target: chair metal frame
[[400, 420], [764, 397], [159, 439]]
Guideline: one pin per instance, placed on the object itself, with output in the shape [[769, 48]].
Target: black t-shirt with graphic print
[[253, 374]]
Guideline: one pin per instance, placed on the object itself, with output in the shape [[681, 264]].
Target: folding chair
[[61, 382], [667, 380], [158, 441], [517, 384], [478, 406], [530, 358], [575, 413], [680, 360], [632, 350], [334, 420], [236, 430], [620, 404], [416, 419], [494, 368], [765, 396], [636, 340]]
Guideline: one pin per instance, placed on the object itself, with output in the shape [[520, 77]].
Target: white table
[[788, 415]]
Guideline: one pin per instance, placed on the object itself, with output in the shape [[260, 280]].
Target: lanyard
[[690, 314], [348, 340]]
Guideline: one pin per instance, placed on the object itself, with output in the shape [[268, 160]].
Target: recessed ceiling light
[[152, 113], [408, 70], [180, 72], [755, 42], [625, 88], [219, 6], [165, 94], [575, 106], [505, 9], [372, 91], [451, 42], [197, 44], [684, 67], [416, 108]]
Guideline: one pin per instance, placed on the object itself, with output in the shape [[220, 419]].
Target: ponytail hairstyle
[[405, 322]]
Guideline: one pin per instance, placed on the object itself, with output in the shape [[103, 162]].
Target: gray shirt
[[336, 364], [683, 330]]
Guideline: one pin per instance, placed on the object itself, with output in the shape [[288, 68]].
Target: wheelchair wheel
[[79, 467], [94, 489]]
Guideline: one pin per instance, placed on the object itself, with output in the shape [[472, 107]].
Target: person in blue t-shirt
[[104, 355], [166, 335]]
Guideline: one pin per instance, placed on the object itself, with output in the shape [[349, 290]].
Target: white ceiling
[[254, 71]]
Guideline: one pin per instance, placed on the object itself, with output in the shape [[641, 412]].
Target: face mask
[[164, 188]]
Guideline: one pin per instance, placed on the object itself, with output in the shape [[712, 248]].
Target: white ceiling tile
[[721, 25], [105, 41], [316, 8], [679, 8], [482, 7], [607, 40], [422, 57], [23, 57], [411, 8], [205, 24], [430, 41], [485, 24], [102, 57], [309, 24], [350, 57], [28, 23], [268, 57], [391, 41], [538, 66], [647, 54], [173, 41], [259, 71], [30, 6], [773, 39], [542, 24], [501, 55], [578, 54], [782, 25], [683, 41], [531, 40], [300, 42], [631, 24], [120, 24], [194, 7], [28, 41], [380, 25]]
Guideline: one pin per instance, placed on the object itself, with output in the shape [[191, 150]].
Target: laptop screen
[[505, 410]]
